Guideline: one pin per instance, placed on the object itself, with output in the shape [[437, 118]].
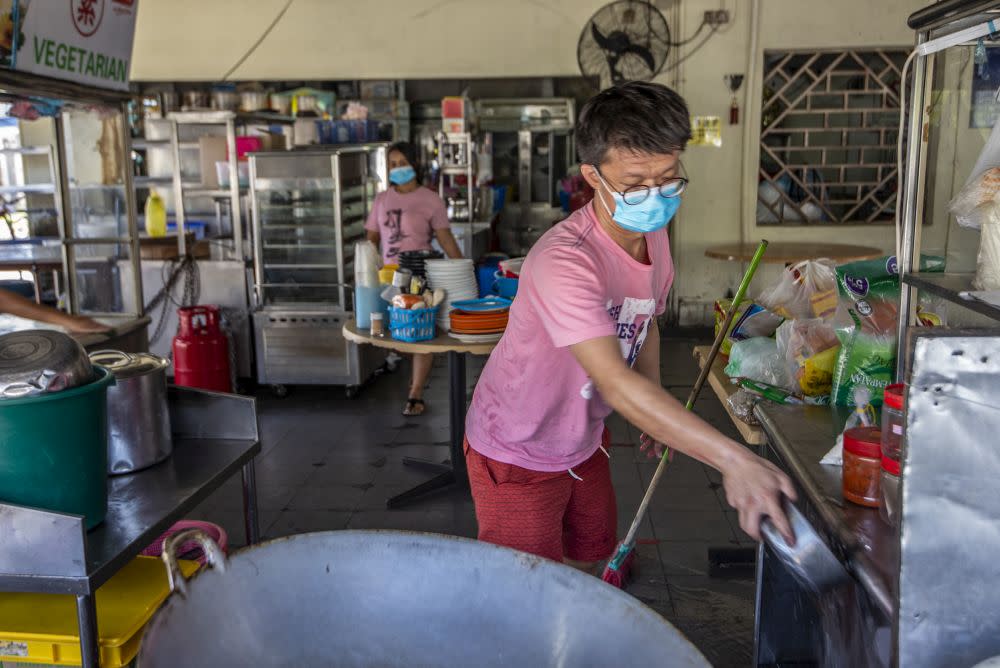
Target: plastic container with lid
[[862, 465], [889, 490], [893, 421]]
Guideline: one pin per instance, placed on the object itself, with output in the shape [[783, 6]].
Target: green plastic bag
[[869, 304]]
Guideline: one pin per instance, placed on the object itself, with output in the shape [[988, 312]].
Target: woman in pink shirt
[[583, 340], [407, 217]]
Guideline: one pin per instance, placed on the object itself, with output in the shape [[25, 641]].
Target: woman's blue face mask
[[402, 175], [653, 213]]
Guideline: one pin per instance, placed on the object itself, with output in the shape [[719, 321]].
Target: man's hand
[[754, 487], [76, 324]]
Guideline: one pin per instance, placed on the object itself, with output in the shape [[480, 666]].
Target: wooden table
[[451, 475], [791, 252], [724, 389]]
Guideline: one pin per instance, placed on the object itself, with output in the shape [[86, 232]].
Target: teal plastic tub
[[54, 450]]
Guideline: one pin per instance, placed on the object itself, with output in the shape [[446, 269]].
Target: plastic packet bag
[[751, 320], [741, 403], [981, 192], [757, 359], [809, 349], [867, 325], [807, 289]]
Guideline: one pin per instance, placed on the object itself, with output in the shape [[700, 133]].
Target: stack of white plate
[[458, 278]]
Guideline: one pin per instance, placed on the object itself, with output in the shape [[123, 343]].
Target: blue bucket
[[503, 286]]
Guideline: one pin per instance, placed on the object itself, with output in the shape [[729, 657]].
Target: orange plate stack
[[478, 327]]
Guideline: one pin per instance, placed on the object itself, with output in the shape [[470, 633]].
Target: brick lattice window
[[829, 122]]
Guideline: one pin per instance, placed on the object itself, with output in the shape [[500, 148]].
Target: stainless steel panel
[[201, 414], [949, 605], [40, 543]]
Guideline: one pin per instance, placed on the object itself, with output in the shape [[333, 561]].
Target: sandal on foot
[[414, 407]]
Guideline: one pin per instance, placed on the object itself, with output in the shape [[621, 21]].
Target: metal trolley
[[308, 209]]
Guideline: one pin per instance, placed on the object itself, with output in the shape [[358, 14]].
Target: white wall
[[720, 205], [379, 39]]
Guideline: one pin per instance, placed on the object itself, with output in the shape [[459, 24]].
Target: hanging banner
[[85, 41]]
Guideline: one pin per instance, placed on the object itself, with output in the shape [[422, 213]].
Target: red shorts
[[553, 515]]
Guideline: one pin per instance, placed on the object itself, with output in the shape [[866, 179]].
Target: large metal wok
[[390, 598]]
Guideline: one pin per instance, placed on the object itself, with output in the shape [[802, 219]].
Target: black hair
[[409, 152], [636, 116]]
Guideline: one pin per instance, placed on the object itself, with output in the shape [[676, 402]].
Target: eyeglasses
[[638, 194]]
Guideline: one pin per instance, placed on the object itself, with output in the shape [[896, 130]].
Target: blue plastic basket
[[412, 325]]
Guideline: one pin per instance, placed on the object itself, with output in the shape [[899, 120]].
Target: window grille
[[829, 124]]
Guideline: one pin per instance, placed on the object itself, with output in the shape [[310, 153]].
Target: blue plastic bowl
[[503, 286]]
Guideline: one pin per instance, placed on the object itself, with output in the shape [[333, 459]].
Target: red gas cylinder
[[201, 351]]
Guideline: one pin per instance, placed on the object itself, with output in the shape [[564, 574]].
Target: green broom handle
[[730, 316]]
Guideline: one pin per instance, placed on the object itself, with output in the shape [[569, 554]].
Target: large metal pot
[[36, 361], [138, 416], [393, 598]]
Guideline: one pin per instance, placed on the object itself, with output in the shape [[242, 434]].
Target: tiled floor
[[330, 463]]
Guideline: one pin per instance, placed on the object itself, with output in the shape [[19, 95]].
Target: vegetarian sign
[[86, 41]]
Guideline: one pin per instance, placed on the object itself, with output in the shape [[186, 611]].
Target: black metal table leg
[[251, 520], [86, 619], [455, 474]]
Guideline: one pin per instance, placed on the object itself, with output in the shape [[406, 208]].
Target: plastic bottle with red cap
[[862, 466], [889, 491], [893, 421]]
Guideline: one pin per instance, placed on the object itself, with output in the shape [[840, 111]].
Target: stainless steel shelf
[[162, 143], [949, 286], [292, 183], [297, 266], [294, 246], [26, 150], [34, 188]]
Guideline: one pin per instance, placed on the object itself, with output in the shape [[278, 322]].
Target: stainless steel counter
[[216, 436], [800, 436]]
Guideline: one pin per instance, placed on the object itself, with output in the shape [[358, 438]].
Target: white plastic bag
[[988, 263], [805, 290], [981, 191], [757, 359]]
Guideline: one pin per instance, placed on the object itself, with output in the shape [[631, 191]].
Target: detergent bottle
[[156, 215]]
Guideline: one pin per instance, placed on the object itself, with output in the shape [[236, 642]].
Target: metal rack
[[308, 210], [171, 150], [936, 21], [100, 269], [540, 133], [951, 376]]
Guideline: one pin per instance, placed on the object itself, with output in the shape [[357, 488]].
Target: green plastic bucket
[[54, 450]]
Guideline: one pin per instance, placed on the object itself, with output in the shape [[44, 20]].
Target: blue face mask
[[400, 175], [653, 213]]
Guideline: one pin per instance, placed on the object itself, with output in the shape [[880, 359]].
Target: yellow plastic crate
[[42, 628]]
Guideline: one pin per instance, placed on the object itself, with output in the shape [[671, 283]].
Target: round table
[[791, 252], [448, 476]]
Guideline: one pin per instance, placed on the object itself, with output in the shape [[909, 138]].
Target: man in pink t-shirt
[[583, 340]]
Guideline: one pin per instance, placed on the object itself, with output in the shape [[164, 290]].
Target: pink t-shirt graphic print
[[534, 405], [406, 221]]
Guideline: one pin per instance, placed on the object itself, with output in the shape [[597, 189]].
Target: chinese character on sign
[[87, 15], [85, 12]]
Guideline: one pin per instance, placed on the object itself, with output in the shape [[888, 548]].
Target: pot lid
[[36, 350], [40, 360], [128, 365]]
